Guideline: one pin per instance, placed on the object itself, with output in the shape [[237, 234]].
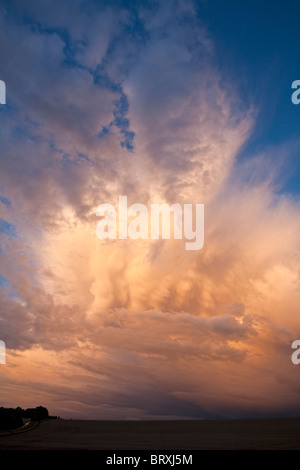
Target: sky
[[174, 101]]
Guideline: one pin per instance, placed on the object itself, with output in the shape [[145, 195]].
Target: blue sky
[[257, 45]]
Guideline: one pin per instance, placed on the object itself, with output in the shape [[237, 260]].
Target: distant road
[[157, 435], [26, 427]]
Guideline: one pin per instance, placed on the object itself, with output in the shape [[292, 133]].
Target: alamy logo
[[2, 353], [295, 95], [155, 226], [295, 356], [2, 92]]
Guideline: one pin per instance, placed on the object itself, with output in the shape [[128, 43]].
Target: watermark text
[[296, 354], [2, 352], [163, 222], [296, 94], [2, 92]]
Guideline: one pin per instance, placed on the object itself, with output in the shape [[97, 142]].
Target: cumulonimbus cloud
[[148, 117]]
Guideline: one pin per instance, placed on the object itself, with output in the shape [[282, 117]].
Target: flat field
[[245, 434]]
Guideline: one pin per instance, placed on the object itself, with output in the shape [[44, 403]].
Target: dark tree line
[[11, 418]]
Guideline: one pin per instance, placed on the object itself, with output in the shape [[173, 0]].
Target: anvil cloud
[[105, 99]]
